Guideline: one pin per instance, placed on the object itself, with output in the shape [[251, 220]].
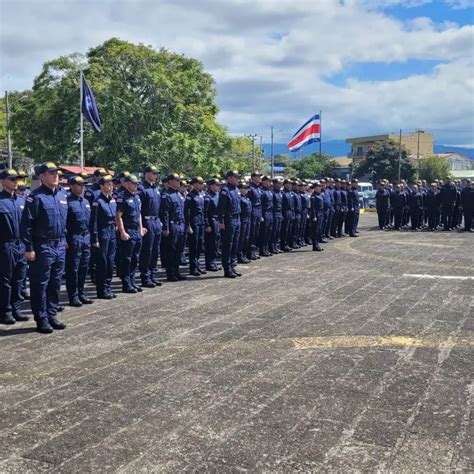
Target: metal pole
[[418, 130], [9, 141], [272, 158], [400, 156], [82, 125], [253, 152]]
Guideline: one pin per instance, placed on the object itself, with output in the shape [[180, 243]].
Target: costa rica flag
[[310, 132]]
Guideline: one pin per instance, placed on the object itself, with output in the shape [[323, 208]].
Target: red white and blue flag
[[310, 132]]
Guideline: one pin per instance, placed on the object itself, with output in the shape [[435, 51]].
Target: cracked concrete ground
[[347, 360]]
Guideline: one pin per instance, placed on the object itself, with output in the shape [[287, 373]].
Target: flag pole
[[82, 123], [320, 134]]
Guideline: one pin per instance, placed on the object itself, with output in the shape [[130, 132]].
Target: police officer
[[467, 203], [172, 218], [150, 209], [382, 204], [12, 250], [431, 204], [447, 196], [329, 197], [245, 216], [337, 198], [398, 203], [194, 224], [104, 236], [266, 227], [131, 230], [43, 231], [255, 196], [211, 230], [277, 217], [78, 240], [317, 216], [354, 208], [415, 205], [296, 228], [288, 212], [228, 210]]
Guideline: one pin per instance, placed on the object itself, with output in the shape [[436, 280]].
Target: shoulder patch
[[118, 200], [29, 199], [95, 204]]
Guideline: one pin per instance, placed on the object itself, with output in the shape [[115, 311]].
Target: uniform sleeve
[[187, 210], [121, 204], [207, 202], [93, 228], [28, 218], [222, 205], [165, 212]]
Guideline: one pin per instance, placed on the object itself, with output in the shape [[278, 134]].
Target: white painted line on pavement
[[438, 277]]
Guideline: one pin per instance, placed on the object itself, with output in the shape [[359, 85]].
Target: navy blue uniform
[[266, 227], [255, 195], [415, 205], [288, 212], [151, 203], [353, 211], [194, 220], [296, 230], [431, 204], [467, 203], [245, 216], [317, 218], [12, 254], [103, 233], [382, 203], [398, 202], [129, 250], [172, 218], [447, 196], [228, 210], [78, 245], [305, 219], [43, 230], [277, 221], [329, 197], [211, 222]]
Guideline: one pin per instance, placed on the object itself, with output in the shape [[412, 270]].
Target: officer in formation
[[236, 220], [421, 206]]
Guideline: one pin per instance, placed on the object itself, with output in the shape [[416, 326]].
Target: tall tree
[[433, 167], [156, 106], [382, 162], [313, 166]]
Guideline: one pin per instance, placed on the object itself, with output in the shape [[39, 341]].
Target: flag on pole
[[89, 106], [310, 132]]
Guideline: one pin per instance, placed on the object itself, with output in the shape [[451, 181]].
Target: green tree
[[382, 162], [313, 166], [281, 159], [433, 167], [156, 106]]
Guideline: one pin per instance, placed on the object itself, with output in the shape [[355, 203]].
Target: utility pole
[[9, 141], [418, 131], [272, 158], [253, 137], [400, 156]]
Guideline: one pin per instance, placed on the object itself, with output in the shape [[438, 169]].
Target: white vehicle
[[364, 187], [366, 193]]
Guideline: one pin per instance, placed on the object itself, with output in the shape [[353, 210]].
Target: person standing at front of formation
[[131, 231], [150, 209], [245, 216], [211, 230], [317, 216], [78, 240], [228, 210], [255, 196], [104, 236], [277, 217], [382, 200], [354, 208], [266, 228], [12, 250], [43, 231], [288, 212]]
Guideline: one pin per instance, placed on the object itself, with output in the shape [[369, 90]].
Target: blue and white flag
[[89, 106]]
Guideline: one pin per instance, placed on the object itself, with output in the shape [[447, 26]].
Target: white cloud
[[271, 58]]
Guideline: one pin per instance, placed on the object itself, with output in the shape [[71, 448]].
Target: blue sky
[[371, 66]]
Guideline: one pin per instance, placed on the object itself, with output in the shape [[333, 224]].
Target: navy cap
[[266, 178], [231, 174], [213, 181], [255, 173], [243, 184], [196, 179], [100, 172], [130, 178], [8, 173], [173, 177], [105, 179], [150, 169], [276, 180], [76, 180], [22, 174], [122, 174], [288, 181], [49, 167], [22, 186]]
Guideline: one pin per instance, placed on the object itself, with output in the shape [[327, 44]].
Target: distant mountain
[[341, 148]]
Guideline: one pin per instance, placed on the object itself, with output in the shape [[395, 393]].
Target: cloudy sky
[[371, 66]]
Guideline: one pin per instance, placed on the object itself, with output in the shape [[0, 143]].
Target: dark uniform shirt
[[229, 203], [11, 208], [288, 203], [245, 207], [382, 198], [255, 196], [130, 206], [78, 215], [211, 200], [448, 194], [266, 199], [317, 205], [151, 200], [92, 192], [172, 209], [277, 203], [103, 215], [44, 217], [194, 208]]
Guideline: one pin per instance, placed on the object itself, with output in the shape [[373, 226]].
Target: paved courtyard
[[356, 358]]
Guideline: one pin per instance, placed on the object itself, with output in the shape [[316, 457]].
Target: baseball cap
[[196, 179], [8, 173], [100, 172], [105, 179], [150, 169], [130, 178], [49, 167], [75, 180], [173, 177], [231, 174]]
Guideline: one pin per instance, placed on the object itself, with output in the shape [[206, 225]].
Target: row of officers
[[125, 225], [438, 206]]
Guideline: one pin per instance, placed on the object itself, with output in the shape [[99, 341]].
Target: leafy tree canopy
[[433, 167], [313, 166]]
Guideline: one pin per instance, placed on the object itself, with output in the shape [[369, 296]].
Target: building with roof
[[457, 162]]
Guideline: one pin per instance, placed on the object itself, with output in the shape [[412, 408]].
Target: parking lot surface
[[356, 358]]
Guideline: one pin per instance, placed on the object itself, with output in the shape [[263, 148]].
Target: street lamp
[[418, 131]]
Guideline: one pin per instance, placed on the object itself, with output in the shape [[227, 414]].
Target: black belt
[[48, 241]]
